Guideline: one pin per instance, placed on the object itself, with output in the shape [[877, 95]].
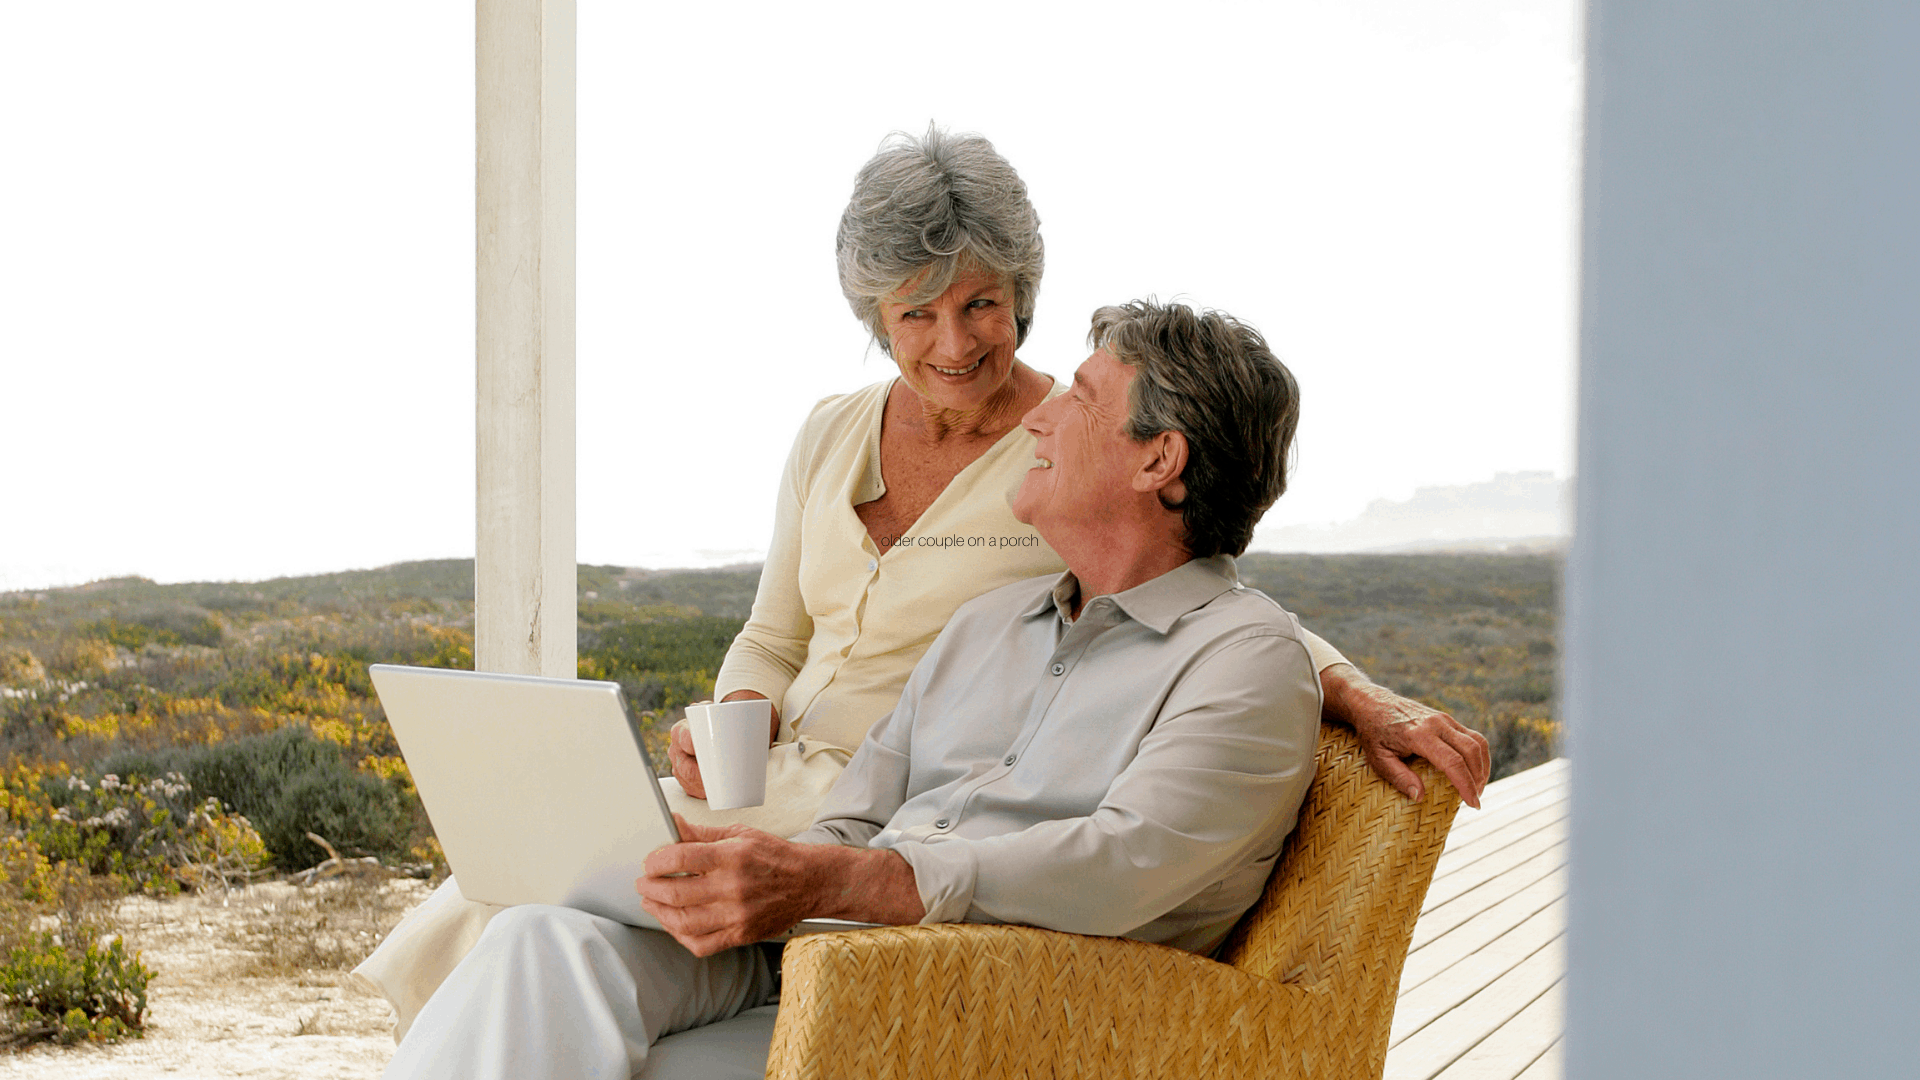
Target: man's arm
[[1214, 787], [743, 886], [1392, 728]]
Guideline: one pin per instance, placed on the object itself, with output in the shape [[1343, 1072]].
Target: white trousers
[[555, 992], [409, 964]]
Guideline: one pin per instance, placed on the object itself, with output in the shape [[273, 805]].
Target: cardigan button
[[941, 824], [1059, 669]]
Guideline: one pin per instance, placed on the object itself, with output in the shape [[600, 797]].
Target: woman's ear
[[1161, 470]]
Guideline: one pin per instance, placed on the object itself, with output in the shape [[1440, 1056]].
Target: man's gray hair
[[1211, 378], [926, 210]]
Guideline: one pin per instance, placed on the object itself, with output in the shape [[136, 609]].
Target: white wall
[[1743, 614]]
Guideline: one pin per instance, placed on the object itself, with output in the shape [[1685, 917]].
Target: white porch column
[[524, 577], [1743, 612]]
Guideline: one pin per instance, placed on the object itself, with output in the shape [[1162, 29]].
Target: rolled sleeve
[[1323, 654], [945, 875]]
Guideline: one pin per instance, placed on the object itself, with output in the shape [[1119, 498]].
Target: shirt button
[[941, 824], [1059, 669], [873, 564], [1009, 760]]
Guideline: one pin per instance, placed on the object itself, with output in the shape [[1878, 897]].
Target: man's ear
[[1160, 471]]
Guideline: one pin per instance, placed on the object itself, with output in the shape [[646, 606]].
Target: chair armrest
[[929, 1002]]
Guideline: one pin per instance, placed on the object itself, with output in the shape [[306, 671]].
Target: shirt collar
[[1156, 604]]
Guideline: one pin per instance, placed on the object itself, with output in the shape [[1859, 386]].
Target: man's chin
[[1020, 501]]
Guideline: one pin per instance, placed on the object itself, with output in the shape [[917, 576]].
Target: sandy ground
[[216, 1009]]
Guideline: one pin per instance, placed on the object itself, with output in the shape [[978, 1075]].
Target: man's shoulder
[[1240, 613], [1008, 601], [1246, 607]]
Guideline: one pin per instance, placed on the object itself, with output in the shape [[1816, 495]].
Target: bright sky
[[236, 299]]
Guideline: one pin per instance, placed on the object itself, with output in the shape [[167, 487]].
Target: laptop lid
[[539, 789]]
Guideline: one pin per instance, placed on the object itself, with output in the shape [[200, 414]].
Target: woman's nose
[[956, 339]]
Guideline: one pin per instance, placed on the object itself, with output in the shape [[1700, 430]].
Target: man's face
[[1085, 462]]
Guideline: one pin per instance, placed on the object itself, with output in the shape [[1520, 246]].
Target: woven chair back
[[1340, 907]]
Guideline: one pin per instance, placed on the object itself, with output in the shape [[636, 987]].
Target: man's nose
[[1035, 417]]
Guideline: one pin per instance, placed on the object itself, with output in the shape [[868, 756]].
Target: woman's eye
[[983, 302]]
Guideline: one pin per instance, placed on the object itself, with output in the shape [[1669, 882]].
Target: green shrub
[[352, 810], [171, 626], [59, 990], [137, 834], [681, 644], [289, 783]]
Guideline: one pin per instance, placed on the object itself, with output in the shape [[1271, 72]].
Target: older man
[[1120, 750]]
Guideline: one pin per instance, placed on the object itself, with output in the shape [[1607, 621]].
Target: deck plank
[[1460, 981], [1439, 920], [1454, 860], [1482, 992], [1494, 864], [1471, 824], [1439, 1044], [1548, 896], [1550, 774], [1512, 1051], [1548, 1066]]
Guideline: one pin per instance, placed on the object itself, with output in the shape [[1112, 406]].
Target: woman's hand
[[686, 767], [1393, 728]]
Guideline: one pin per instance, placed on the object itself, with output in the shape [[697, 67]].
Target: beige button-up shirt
[[1132, 772]]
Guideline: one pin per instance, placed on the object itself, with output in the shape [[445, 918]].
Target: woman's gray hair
[[1211, 378], [926, 210]]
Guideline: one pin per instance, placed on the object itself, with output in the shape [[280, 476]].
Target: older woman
[[893, 511]]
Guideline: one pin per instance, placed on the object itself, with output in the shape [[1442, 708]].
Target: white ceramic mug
[[730, 740]]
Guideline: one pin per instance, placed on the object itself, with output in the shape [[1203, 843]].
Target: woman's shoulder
[[834, 414], [838, 424]]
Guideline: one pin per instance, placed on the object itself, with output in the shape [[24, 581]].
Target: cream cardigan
[[837, 626]]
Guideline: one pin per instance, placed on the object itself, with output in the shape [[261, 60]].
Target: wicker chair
[[1304, 986]]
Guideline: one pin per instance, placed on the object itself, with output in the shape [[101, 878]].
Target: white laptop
[[538, 789]]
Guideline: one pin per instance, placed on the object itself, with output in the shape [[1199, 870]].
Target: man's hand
[[742, 885], [686, 767], [1393, 728]]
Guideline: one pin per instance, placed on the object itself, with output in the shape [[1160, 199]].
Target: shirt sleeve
[[871, 789], [770, 649], [1216, 785], [1323, 654]]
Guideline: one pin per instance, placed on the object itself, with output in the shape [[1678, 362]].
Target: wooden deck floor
[[1481, 995]]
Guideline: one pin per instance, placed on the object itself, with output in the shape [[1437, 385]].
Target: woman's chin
[[965, 390]]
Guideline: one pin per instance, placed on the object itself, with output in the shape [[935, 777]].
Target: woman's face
[[956, 350]]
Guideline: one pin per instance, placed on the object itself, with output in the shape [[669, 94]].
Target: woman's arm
[[767, 653], [1392, 728], [771, 647]]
